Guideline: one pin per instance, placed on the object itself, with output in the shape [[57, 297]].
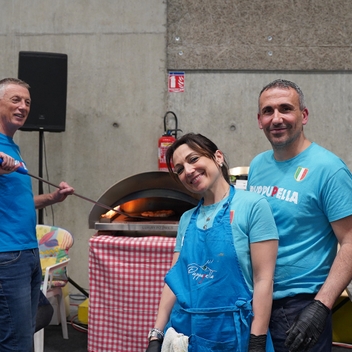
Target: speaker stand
[[79, 288], [40, 173]]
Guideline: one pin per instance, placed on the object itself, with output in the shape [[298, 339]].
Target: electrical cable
[[78, 326], [341, 344], [73, 320]]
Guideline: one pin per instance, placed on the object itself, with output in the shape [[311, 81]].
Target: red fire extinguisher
[[165, 141]]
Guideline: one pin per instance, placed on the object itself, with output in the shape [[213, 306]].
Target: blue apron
[[213, 304]]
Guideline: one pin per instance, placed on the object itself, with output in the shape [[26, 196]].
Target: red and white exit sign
[[176, 82]]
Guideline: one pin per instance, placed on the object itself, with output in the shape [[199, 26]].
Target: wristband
[[155, 332]]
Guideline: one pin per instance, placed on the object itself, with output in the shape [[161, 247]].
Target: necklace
[[207, 218]]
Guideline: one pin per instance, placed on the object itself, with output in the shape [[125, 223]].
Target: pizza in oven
[[158, 213]]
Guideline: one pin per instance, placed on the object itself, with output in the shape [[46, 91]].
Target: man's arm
[[340, 273], [8, 165], [43, 200], [310, 323]]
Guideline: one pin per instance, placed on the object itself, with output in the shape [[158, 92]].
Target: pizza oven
[[148, 204]]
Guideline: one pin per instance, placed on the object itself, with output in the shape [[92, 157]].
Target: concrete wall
[[259, 35], [215, 102], [116, 77], [117, 97]]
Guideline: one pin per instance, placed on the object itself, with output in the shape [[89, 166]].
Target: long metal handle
[[23, 170], [76, 194]]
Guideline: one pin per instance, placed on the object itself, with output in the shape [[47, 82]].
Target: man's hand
[[257, 343], [307, 327], [60, 194], [7, 164], [43, 200], [154, 346]]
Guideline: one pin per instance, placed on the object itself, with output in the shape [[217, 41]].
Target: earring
[[222, 164]]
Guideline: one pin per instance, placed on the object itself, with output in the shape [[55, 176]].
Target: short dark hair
[[202, 145], [282, 83]]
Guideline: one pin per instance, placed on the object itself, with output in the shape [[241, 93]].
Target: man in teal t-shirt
[[20, 272], [309, 189]]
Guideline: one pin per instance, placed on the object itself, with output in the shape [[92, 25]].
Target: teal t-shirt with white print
[[306, 194]]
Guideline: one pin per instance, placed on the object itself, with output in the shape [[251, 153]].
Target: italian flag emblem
[[300, 173]]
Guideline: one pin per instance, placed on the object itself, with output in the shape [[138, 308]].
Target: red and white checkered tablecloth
[[126, 277]]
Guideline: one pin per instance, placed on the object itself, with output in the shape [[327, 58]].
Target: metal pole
[[40, 172]]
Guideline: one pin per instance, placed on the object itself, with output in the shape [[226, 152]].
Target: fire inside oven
[[151, 204]]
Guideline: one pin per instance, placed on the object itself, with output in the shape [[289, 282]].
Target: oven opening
[[147, 209]]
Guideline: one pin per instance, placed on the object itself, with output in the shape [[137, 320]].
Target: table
[[126, 277]]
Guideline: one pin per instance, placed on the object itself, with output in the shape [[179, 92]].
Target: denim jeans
[[284, 312], [20, 279]]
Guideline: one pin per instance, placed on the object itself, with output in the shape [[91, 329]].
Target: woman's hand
[[154, 346], [257, 343]]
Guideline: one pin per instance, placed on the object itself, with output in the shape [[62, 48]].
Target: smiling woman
[[228, 243], [200, 174], [194, 147]]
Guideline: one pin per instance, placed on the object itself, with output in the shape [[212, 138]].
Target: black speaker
[[46, 73]]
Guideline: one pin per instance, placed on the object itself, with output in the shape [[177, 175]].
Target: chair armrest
[[48, 278]]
